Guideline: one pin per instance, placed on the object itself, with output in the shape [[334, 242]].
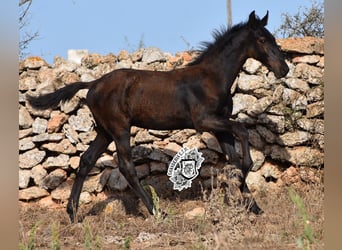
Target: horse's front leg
[[224, 129], [227, 142], [242, 134]]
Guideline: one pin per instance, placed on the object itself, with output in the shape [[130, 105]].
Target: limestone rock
[[143, 170], [71, 105], [70, 133], [309, 59], [85, 198], [294, 138], [83, 121], [157, 155], [46, 137], [143, 136], [53, 162], [26, 144], [290, 176], [211, 142], [194, 142], [270, 171], [275, 123], [62, 147], [182, 136], [251, 82], [152, 54], [33, 62], [24, 178], [62, 192], [299, 156], [95, 183], [260, 106], [312, 74], [56, 121], [241, 102], [294, 99], [25, 119], [268, 135], [251, 65], [258, 158], [172, 149], [255, 139], [24, 133], [28, 83], [31, 158], [315, 109], [297, 84], [74, 162], [315, 94], [39, 125], [38, 173], [117, 181], [54, 179], [158, 167], [32, 193], [305, 45]]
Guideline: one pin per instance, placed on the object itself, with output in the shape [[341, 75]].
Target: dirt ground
[[292, 219]]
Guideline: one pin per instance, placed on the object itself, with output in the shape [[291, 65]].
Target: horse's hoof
[[255, 209]]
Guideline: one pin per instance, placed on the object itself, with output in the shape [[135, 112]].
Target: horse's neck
[[231, 66], [228, 62]]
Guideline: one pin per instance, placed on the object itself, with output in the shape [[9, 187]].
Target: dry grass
[[117, 223]]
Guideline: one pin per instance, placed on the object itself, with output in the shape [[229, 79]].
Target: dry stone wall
[[285, 119]]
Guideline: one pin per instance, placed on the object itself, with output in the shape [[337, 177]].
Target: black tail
[[52, 100]]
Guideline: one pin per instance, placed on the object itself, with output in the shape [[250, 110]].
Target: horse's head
[[263, 46]]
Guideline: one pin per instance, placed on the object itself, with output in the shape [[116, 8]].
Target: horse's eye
[[262, 40]]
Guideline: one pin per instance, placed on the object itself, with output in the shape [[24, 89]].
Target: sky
[[108, 26]]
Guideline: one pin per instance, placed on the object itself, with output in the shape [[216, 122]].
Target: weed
[[31, 244], [89, 244], [224, 225], [307, 238], [155, 199], [55, 244], [127, 242], [140, 45], [87, 237]]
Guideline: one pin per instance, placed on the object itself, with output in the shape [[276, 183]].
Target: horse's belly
[[162, 121]]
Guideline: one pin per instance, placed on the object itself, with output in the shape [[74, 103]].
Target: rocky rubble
[[285, 119]]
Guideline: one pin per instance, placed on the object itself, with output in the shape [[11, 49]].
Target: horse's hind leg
[[127, 168], [87, 161]]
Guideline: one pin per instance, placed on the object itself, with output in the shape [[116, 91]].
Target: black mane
[[221, 37]]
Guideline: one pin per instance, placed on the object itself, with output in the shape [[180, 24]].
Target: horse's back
[[150, 99]]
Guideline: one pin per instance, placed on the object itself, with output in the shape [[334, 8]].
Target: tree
[[25, 37], [307, 22], [229, 13]]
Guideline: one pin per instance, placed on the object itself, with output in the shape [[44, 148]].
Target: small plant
[[55, 244], [31, 245], [155, 199], [140, 45], [127, 242], [88, 239], [307, 238]]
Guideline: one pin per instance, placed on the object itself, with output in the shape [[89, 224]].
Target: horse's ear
[[252, 19], [264, 19]]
